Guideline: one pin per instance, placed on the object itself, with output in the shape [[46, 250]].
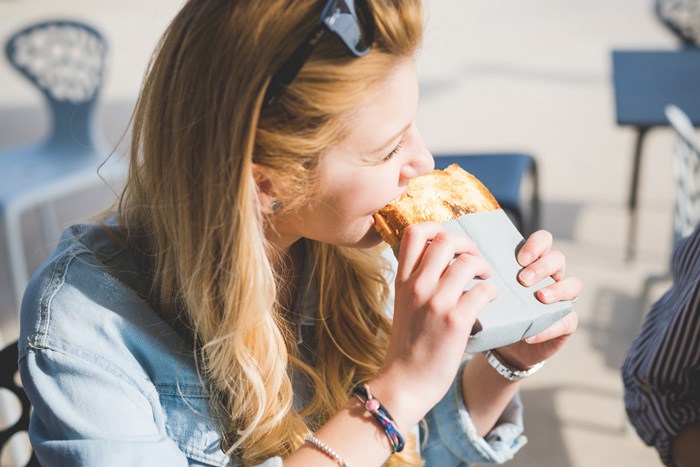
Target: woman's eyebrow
[[388, 141]]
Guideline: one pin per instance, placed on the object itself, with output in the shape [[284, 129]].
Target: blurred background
[[510, 75]]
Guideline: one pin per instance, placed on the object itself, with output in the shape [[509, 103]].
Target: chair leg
[[15, 252], [634, 194], [535, 201], [49, 223]]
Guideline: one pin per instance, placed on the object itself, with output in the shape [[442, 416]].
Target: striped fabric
[[661, 373]]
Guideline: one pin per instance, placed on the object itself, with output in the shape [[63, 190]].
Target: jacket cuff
[[458, 433]]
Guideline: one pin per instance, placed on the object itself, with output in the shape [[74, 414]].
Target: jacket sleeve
[[90, 413], [450, 437]]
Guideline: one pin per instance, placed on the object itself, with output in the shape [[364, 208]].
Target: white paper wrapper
[[516, 313]]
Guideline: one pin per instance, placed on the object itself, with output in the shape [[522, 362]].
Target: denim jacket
[[112, 383]]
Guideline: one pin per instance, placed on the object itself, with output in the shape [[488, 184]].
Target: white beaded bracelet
[[321, 446]]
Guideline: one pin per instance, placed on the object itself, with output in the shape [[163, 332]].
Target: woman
[[227, 309]]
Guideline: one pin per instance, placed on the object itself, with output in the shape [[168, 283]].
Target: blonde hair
[[190, 207]]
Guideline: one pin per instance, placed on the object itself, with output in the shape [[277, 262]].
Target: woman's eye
[[393, 152]]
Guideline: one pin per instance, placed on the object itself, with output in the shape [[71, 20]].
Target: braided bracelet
[[324, 448], [382, 415]]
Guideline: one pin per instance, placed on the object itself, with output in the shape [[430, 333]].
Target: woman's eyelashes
[[393, 152]]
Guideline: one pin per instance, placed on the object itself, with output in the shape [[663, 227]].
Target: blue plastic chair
[[65, 61], [510, 177]]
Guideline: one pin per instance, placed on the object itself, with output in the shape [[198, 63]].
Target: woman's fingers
[[463, 270], [564, 327], [445, 263], [413, 244], [428, 249], [442, 251], [552, 264], [565, 289], [474, 301], [538, 244]]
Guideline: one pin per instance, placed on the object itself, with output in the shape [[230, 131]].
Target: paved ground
[[506, 75]]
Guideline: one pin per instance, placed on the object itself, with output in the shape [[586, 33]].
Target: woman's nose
[[426, 162], [420, 163]]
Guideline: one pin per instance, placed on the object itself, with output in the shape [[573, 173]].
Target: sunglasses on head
[[340, 18]]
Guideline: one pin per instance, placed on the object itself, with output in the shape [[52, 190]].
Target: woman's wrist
[[404, 405], [513, 359], [381, 415], [339, 438], [485, 393], [510, 371]]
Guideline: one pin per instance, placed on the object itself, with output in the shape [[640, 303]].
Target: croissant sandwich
[[439, 196]]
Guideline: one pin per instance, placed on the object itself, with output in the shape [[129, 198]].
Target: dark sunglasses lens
[[341, 18]]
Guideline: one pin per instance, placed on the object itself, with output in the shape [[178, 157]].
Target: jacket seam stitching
[[53, 285]]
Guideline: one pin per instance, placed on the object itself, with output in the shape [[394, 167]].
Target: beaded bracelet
[[323, 447], [382, 415]]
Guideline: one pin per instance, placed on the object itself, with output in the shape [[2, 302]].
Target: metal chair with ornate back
[[686, 171], [65, 61], [9, 381], [682, 17]]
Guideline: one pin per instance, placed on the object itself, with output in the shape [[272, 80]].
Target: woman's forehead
[[387, 114]]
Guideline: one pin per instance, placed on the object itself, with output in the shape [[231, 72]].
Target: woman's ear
[[267, 195]]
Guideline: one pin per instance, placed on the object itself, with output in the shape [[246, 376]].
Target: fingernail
[[527, 276], [530, 340], [525, 258], [545, 295]]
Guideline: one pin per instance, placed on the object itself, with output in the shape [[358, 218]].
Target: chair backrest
[[512, 179], [65, 60], [686, 169], [8, 380], [682, 17]]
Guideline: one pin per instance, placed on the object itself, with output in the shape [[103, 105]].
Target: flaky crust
[[439, 196]]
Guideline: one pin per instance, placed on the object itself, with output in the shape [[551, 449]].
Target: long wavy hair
[[190, 207]]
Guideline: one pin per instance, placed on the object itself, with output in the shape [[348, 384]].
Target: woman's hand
[[539, 261], [433, 318]]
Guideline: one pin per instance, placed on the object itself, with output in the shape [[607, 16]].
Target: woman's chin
[[363, 235], [370, 240]]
